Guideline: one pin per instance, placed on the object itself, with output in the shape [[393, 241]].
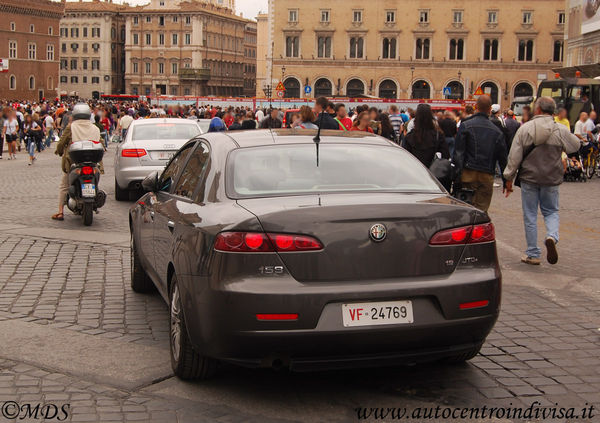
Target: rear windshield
[[165, 131], [292, 169]]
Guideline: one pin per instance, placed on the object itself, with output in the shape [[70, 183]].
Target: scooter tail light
[[87, 170]]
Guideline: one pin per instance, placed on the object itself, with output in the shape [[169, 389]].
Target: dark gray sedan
[[273, 250]]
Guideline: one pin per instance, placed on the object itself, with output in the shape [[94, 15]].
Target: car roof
[[150, 121], [263, 137]]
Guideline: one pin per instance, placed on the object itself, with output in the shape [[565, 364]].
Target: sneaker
[[531, 260], [552, 253], [497, 185]]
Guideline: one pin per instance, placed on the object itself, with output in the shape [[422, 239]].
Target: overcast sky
[[249, 8]]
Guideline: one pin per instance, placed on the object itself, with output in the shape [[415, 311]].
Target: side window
[[172, 170], [193, 172]]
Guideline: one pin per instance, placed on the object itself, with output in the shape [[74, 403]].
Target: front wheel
[[88, 213], [187, 364]]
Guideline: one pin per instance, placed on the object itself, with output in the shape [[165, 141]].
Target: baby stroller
[[574, 171]]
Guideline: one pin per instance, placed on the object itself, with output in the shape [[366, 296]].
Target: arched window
[[421, 89], [490, 89], [31, 83], [389, 48], [523, 89], [355, 88], [292, 88], [557, 55], [457, 48], [356, 47], [12, 83], [323, 88], [422, 48], [388, 89], [457, 91]]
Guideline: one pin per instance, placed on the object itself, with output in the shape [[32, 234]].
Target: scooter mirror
[[150, 182]]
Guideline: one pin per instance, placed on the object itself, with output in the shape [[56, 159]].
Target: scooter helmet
[[82, 111]]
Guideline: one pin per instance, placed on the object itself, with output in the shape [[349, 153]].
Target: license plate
[[88, 190], [163, 155], [372, 314]]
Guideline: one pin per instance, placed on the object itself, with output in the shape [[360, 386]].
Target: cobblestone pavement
[[56, 282]]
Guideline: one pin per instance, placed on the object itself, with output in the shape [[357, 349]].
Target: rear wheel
[[185, 361], [121, 194], [140, 281], [466, 356], [88, 213]]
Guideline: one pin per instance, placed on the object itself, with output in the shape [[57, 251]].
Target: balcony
[[190, 74]]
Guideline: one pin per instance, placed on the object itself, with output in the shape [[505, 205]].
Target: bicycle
[[591, 159]]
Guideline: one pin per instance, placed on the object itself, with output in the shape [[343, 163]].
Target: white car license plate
[[384, 313], [88, 190], [163, 155]]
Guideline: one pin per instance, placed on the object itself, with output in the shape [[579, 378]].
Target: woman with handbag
[[425, 140]]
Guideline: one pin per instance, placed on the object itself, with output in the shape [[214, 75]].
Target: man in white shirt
[[584, 127], [49, 128]]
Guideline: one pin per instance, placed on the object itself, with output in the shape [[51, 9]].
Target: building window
[[175, 19], [324, 47], [562, 18], [31, 51], [95, 64], [173, 90], [175, 39], [148, 67], [50, 52], [527, 18], [356, 47], [148, 39], [84, 79], [74, 47], [457, 46], [12, 49], [50, 30], [293, 15], [134, 90], [188, 20], [95, 79], [32, 82], [84, 64], [63, 79], [64, 64], [357, 16], [557, 55], [187, 91], [32, 28], [188, 39], [292, 46], [492, 16], [95, 47], [390, 16], [135, 67], [161, 39], [389, 48], [457, 17], [161, 68], [525, 50], [74, 80], [13, 26], [174, 68], [64, 32], [490, 49], [148, 19], [136, 20], [113, 33], [95, 32], [85, 31], [74, 32], [422, 48], [324, 15], [135, 38], [424, 16], [161, 21], [12, 84]]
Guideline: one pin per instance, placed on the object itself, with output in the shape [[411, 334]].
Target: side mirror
[[150, 182]]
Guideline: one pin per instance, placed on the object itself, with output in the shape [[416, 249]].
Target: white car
[[148, 146]]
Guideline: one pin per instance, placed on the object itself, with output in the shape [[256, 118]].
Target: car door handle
[[171, 225]]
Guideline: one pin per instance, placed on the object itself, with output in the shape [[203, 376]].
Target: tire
[[140, 281], [187, 364], [88, 213], [121, 194], [466, 356]]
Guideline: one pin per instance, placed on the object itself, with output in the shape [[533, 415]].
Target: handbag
[[518, 175], [441, 168]]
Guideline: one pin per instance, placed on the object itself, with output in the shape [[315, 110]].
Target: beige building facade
[[582, 35], [415, 48], [92, 54], [191, 47], [262, 52]]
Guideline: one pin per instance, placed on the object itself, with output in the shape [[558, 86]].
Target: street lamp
[[462, 93]]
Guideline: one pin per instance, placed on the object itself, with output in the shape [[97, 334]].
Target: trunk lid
[[342, 222]]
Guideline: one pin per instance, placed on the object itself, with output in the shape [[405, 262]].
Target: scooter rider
[[80, 129]]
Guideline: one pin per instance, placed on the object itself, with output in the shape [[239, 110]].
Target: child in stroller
[[573, 168]]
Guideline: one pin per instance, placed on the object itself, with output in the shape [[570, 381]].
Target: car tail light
[[87, 170], [249, 242], [278, 316], [133, 152], [474, 304], [465, 235]]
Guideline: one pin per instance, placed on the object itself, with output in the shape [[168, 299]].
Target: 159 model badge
[[378, 232]]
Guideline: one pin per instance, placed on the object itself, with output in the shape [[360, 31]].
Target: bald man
[[479, 146]]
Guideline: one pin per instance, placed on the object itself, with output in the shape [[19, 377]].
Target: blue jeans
[[546, 199], [49, 137]]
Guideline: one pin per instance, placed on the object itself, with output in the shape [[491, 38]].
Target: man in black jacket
[[320, 111], [479, 146], [272, 121]]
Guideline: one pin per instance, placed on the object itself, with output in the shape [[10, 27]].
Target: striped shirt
[[397, 122]]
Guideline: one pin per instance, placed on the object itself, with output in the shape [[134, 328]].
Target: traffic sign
[[447, 91], [3, 65], [307, 89], [280, 93], [280, 86], [479, 91]]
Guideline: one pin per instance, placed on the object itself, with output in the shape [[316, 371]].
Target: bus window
[[556, 93]]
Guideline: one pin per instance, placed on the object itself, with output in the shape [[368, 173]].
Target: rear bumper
[[131, 176], [221, 319]]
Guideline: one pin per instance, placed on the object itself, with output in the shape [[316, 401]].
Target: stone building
[[250, 36], [184, 47], [92, 49], [262, 52], [416, 48], [29, 44], [582, 35]]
